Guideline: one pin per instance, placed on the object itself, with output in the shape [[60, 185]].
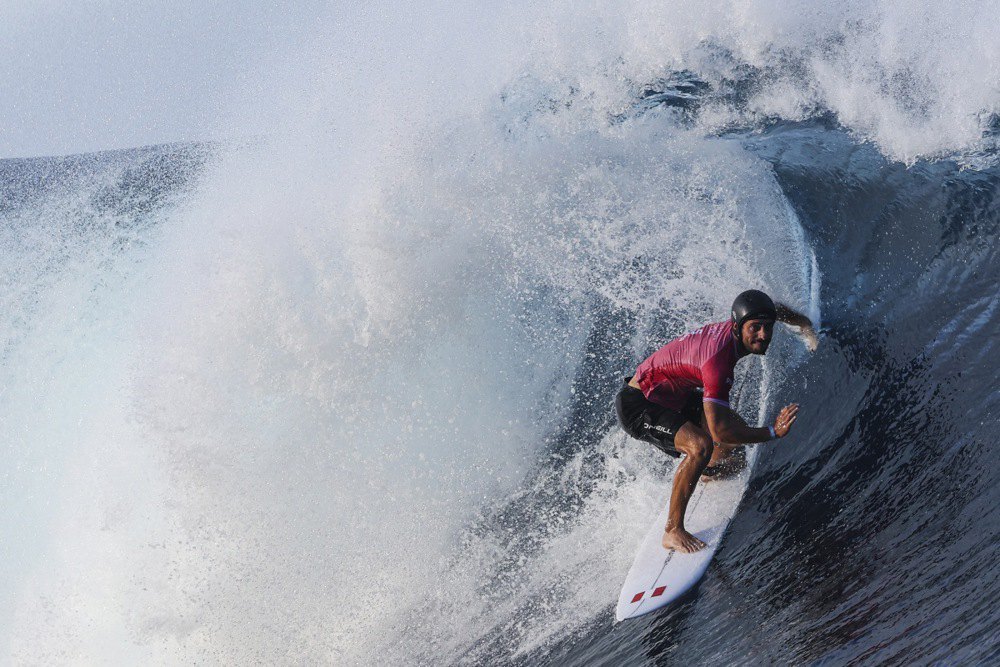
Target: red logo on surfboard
[[657, 592]]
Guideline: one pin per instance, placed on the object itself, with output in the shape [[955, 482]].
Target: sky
[[85, 76]]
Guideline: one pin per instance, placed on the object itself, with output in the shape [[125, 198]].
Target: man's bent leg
[[696, 444], [721, 452], [727, 461]]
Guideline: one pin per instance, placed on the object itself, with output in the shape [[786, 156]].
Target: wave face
[[870, 537], [342, 394]]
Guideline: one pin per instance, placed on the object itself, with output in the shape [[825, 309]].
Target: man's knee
[[697, 444], [703, 450]]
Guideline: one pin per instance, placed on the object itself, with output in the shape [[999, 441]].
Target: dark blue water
[[870, 537]]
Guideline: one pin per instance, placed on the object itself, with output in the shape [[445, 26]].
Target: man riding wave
[[678, 400]]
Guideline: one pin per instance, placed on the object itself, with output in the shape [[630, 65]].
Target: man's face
[[756, 335]]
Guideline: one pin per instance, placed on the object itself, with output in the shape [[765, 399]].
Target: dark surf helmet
[[753, 305]]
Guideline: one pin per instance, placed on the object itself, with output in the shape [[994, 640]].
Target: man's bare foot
[[681, 540]]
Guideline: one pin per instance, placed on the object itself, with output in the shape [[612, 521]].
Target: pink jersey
[[703, 358]]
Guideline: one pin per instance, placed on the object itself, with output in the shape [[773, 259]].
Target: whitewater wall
[[377, 381]]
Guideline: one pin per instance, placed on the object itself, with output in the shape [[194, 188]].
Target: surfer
[[678, 400]]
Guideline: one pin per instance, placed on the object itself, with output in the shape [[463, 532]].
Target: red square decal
[[659, 591], [638, 596]]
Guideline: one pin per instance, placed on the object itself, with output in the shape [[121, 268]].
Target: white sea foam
[[306, 404]]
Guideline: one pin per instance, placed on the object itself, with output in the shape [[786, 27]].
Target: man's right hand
[[810, 338], [783, 422]]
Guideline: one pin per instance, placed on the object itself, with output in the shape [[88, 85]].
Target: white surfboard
[[658, 576]]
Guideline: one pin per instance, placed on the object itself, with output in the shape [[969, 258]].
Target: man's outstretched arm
[[728, 428]]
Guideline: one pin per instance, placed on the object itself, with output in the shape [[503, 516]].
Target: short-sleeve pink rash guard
[[703, 358]]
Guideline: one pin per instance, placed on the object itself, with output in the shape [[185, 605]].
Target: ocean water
[[337, 388]]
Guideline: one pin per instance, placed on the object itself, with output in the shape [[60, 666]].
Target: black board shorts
[[647, 421]]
